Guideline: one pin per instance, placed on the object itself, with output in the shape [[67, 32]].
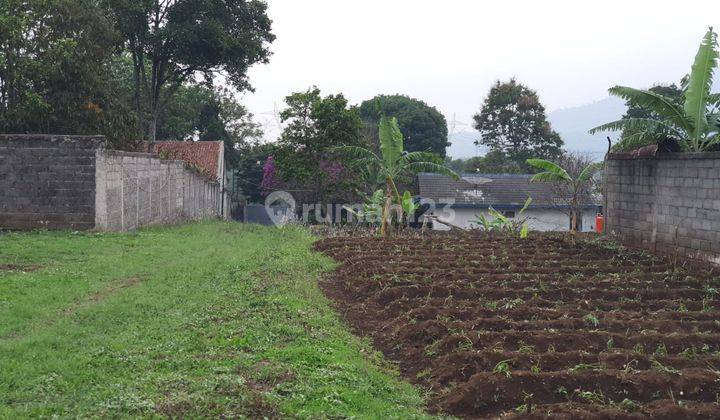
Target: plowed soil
[[500, 326]]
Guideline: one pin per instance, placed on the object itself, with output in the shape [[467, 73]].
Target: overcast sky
[[449, 52]]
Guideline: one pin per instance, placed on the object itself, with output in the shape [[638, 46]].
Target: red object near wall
[[599, 223]]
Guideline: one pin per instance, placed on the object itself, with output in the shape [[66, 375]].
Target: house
[[460, 201], [207, 157]]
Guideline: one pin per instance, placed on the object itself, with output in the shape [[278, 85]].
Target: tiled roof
[[483, 190], [202, 154]]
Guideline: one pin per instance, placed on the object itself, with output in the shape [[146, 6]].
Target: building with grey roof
[[459, 202]]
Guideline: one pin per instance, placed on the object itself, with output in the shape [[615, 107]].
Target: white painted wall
[[539, 219]]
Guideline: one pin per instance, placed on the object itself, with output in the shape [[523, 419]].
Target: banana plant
[[502, 223], [694, 124], [408, 205], [371, 210], [392, 163], [576, 186]]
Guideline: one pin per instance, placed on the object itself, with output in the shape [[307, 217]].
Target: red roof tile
[[202, 154]]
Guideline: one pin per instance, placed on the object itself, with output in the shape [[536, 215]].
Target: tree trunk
[[573, 217], [152, 130], [386, 224]]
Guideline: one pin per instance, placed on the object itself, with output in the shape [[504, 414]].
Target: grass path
[[203, 320]]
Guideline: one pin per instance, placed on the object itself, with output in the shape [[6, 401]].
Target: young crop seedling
[[585, 366], [629, 367], [535, 367], [513, 303], [526, 406], [503, 368], [591, 320], [629, 405], [591, 397], [662, 368], [524, 348], [661, 350]]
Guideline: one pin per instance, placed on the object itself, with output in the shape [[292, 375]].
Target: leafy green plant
[[629, 405], [591, 320], [408, 205], [591, 397], [661, 350], [525, 348], [694, 123], [371, 211], [393, 162], [517, 226], [585, 366], [503, 368], [576, 186], [656, 365]]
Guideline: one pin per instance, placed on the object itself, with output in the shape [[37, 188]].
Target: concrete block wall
[[47, 181], [669, 203], [73, 182], [139, 189]]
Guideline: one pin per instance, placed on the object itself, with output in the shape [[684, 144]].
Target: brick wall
[[139, 189], [73, 182], [668, 203], [47, 181]]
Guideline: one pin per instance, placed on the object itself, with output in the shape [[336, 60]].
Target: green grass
[[202, 320]]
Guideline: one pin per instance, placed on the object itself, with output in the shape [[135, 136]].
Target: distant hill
[[573, 125], [462, 145]]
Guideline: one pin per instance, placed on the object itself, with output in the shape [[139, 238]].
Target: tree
[[249, 172], [571, 188], [172, 42], [629, 139], [57, 70], [315, 125], [493, 162], [693, 122], [512, 121], [200, 112], [423, 127], [392, 162]]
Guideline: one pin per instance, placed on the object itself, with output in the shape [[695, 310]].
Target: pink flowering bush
[[331, 169], [270, 179]]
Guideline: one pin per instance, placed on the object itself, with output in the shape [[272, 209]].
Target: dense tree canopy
[[56, 72], [512, 120], [129, 68], [423, 127], [172, 42], [200, 112], [315, 125], [493, 162]]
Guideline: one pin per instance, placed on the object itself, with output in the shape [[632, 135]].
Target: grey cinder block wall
[[73, 182], [139, 189], [669, 203], [48, 181]]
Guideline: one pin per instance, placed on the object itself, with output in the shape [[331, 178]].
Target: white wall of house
[[539, 219]]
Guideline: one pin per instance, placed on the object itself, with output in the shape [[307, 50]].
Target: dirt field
[[534, 327]]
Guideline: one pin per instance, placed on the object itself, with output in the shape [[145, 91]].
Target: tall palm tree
[[576, 186], [694, 124], [393, 162]]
